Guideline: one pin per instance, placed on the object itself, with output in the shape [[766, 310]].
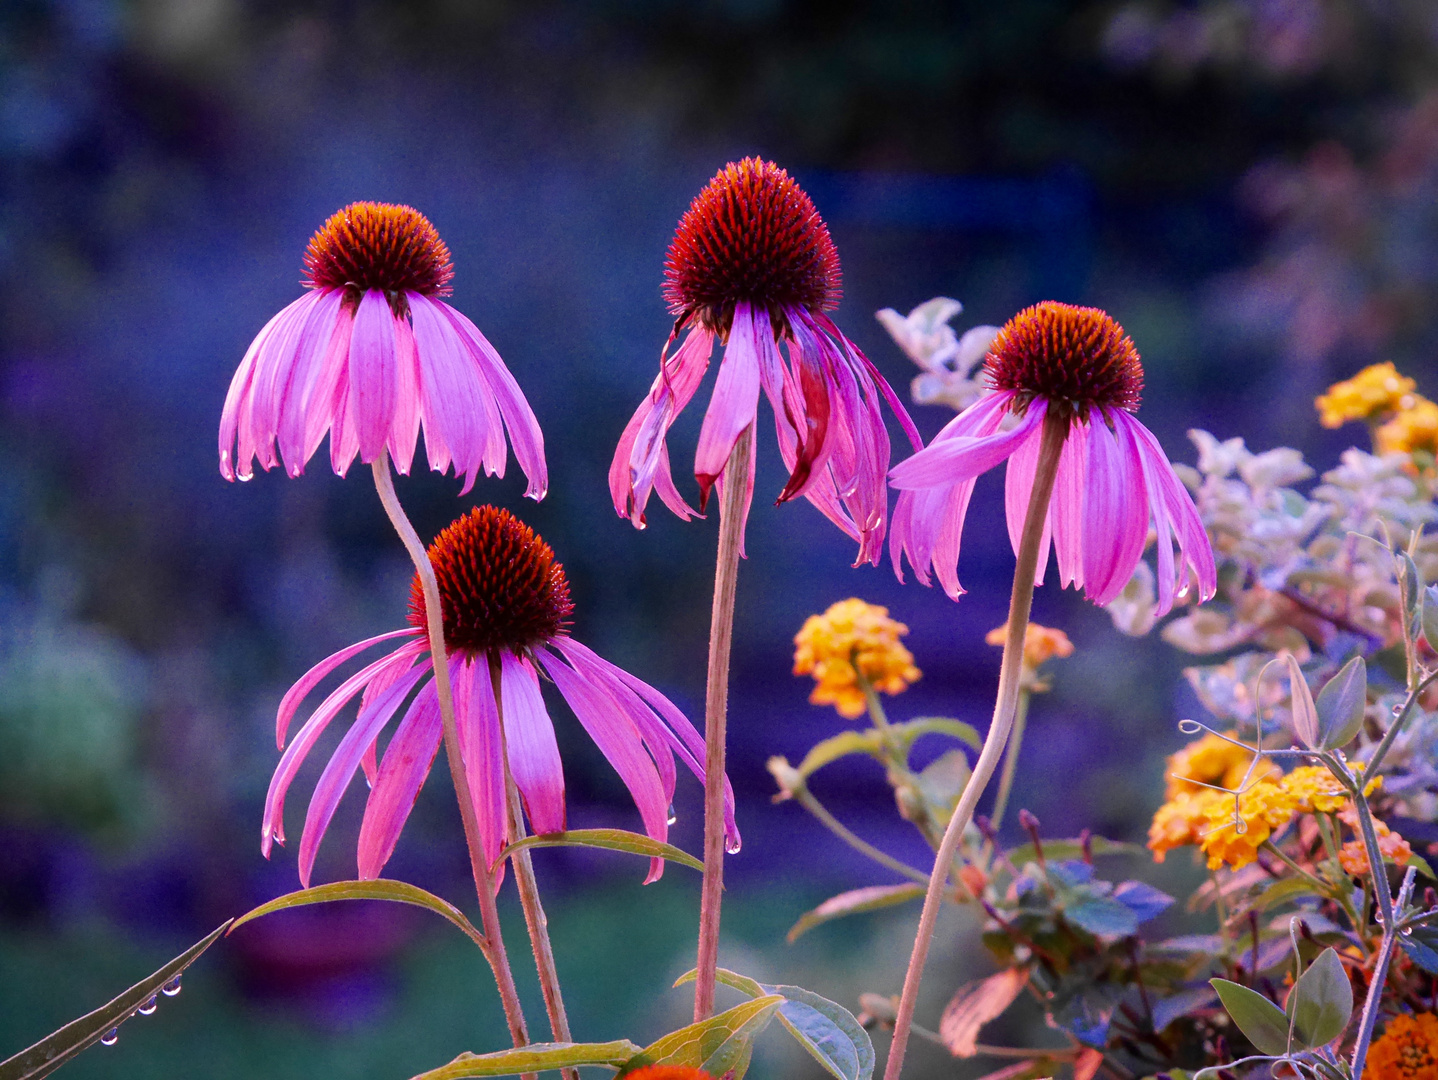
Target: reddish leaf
[[974, 1005]]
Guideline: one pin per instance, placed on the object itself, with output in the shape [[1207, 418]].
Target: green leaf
[[1321, 1002], [854, 902], [534, 1058], [842, 745], [399, 892], [1340, 705], [716, 1045], [55, 1049], [1410, 582], [1301, 704], [610, 839], [1101, 915], [827, 1030], [1260, 1019], [1283, 890], [910, 731], [942, 782], [1430, 615], [1422, 865]]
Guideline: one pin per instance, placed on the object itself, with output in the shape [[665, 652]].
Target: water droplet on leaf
[[151, 1004], [111, 1037], [171, 988]]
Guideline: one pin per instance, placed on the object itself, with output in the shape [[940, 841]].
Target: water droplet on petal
[[151, 1004], [171, 988], [672, 817], [244, 477], [732, 846], [111, 1037]]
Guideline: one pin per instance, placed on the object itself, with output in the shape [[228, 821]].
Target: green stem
[[1380, 978], [1055, 431], [1273, 849], [808, 801], [1396, 728], [716, 706], [478, 864], [534, 918], [1011, 759]]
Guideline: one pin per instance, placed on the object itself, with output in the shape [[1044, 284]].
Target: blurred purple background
[[1247, 185]]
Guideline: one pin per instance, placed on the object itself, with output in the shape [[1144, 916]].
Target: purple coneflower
[[752, 266], [369, 355], [1113, 476], [504, 599]]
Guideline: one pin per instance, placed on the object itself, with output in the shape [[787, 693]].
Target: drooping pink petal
[[905, 421], [482, 749], [342, 766], [1115, 516], [641, 463], [312, 678], [947, 460], [1166, 488], [1136, 459], [377, 686], [272, 827], [732, 406], [462, 424], [259, 412], [404, 427], [1018, 490], [673, 726], [620, 742], [529, 740], [238, 422], [809, 402], [748, 500], [1066, 506], [407, 761], [295, 395], [372, 374], [524, 433], [324, 406]]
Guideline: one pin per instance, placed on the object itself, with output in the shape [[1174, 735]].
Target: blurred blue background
[[1247, 185]]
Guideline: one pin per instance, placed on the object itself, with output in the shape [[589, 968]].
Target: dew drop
[[111, 1037], [673, 817], [244, 478], [1407, 931], [151, 1004], [171, 988], [732, 846]]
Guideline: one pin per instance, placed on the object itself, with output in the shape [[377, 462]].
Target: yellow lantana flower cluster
[[1415, 427], [1263, 809], [1317, 791], [1407, 1050], [1041, 643], [1373, 392], [851, 638]]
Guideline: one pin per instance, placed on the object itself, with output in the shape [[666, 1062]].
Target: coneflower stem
[[478, 865], [1011, 760], [716, 705], [1055, 430], [534, 917]]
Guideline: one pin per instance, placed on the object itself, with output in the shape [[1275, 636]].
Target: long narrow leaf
[[399, 892], [609, 839], [534, 1058], [54, 1050], [853, 902], [716, 1045]]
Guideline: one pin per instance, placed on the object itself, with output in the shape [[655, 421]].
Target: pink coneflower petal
[[529, 739], [641, 463], [404, 427], [519, 421], [619, 741], [343, 764], [272, 826], [1116, 516], [733, 405], [481, 745], [1066, 510], [462, 423], [312, 678], [675, 729], [304, 368], [324, 406], [956, 457], [372, 373], [407, 761], [377, 686]]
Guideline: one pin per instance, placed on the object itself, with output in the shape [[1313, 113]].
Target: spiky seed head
[[1074, 357], [370, 245], [751, 236], [500, 586]]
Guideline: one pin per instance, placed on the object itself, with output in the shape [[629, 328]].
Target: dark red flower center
[[370, 245], [1076, 357], [751, 236], [499, 585]]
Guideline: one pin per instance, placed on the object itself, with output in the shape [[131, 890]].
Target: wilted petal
[[732, 406]]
